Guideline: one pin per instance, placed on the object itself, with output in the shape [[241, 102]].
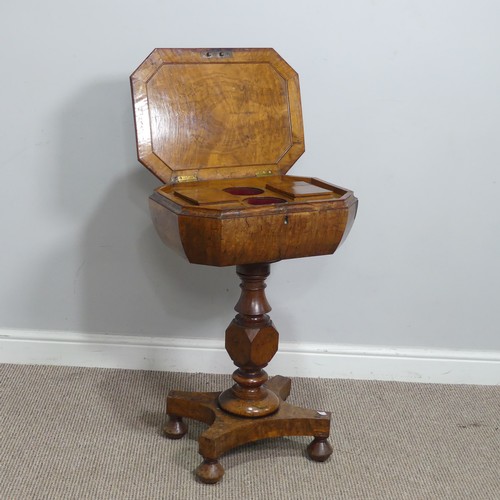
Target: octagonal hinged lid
[[204, 114]]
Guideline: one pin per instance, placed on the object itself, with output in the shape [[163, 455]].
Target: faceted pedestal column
[[253, 408]]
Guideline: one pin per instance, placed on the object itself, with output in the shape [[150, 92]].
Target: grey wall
[[401, 103]]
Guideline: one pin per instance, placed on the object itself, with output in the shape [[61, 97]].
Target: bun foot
[[319, 450], [175, 428], [210, 471]]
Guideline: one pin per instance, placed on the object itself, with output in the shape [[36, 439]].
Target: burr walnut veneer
[[221, 128]]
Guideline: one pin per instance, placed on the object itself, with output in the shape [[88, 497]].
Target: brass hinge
[[186, 178], [263, 173]]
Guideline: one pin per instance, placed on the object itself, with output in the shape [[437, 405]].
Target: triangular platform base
[[228, 431]]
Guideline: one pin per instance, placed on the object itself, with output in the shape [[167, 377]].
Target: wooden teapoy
[[221, 128]]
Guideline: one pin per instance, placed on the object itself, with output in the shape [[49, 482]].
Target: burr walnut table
[[221, 128]]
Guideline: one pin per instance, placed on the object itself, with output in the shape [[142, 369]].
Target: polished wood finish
[[254, 407], [217, 114], [207, 225], [221, 128], [175, 428], [297, 189], [251, 342], [209, 120], [227, 431]]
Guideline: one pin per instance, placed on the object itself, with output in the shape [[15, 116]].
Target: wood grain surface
[[230, 114], [210, 226], [221, 127]]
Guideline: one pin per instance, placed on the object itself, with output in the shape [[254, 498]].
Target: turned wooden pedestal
[[221, 128], [254, 407]]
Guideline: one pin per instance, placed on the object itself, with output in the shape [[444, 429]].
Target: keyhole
[[286, 219]]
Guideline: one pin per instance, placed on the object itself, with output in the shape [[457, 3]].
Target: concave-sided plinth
[[254, 407]]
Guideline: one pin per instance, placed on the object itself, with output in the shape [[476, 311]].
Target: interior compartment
[[204, 195], [243, 190], [264, 200], [298, 188], [234, 193]]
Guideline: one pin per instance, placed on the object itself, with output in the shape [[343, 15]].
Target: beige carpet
[[69, 433]]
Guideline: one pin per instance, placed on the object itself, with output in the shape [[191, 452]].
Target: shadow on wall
[[126, 281]]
